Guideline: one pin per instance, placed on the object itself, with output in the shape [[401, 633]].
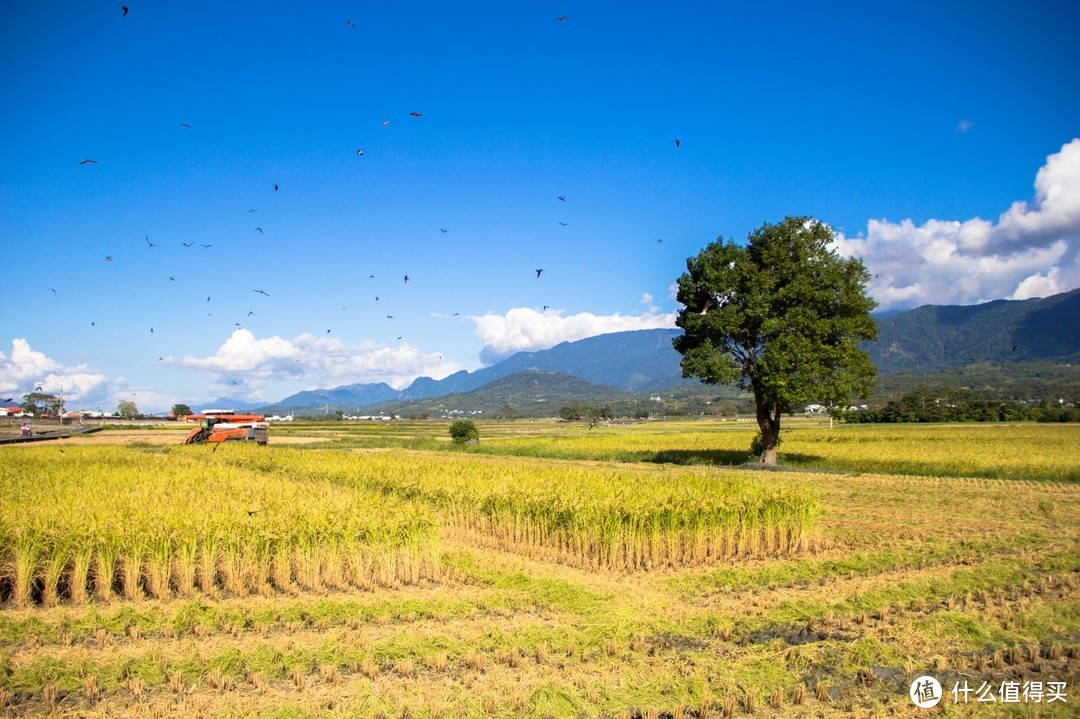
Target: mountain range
[[613, 367], [935, 338]]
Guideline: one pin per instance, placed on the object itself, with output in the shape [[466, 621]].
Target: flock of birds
[[415, 115], [277, 188]]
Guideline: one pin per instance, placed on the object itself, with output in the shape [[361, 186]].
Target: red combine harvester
[[225, 425]]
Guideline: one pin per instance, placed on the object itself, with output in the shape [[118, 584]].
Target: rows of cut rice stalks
[[623, 518], [101, 522]]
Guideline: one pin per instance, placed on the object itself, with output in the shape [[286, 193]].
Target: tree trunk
[[769, 424]]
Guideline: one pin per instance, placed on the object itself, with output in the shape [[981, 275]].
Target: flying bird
[[151, 330], [172, 278], [443, 231], [545, 308], [187, 244], [54, 292], [350, 23], [148, 242], [416, 114], [327, 331], [538, 272], [561, 18], [252, 210], [385, 123], [678, 144], [250, 313], [564, 224], [562, 198], [359, 152], [389, 317], [260, 230], [184, 124], [210, 245], [406, 279], [660, 241], [88, 161], [262, 292], [208, 298], [108, 259], [123, 10], [275, 187]]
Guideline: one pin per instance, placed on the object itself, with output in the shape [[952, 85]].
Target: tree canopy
[[463, 431], [127, 409], [782, 317], [180, 410], [39, 403]]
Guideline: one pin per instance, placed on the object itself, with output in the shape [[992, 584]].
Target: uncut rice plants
[[995, 450], [121, 520], [966, 450], [623, 517]]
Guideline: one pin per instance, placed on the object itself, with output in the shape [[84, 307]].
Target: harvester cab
[[227, 426]]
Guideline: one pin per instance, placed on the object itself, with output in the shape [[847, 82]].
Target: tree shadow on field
[[730, 458], [699, 456], [799, 459]]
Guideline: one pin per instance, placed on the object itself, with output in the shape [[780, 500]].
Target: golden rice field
[[1022, 451], [550, 571], [97, 521]]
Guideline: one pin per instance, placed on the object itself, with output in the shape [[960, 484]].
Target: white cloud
[[26, 369], [523, 329], [964, 126], [1045, 285], [244, 363], [1032, 250]]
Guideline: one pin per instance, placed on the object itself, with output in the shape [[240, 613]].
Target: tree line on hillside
[[925, 404]]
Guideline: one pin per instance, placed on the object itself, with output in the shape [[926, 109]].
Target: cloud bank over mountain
[[523, 329], [1033, 250], [244, 363]]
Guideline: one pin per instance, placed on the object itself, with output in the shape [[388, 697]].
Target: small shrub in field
[[463, 431]]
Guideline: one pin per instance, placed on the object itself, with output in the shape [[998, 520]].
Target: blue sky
[[937, 138]]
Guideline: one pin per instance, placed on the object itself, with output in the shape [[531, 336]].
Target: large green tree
[[781, 317], [39, 403]]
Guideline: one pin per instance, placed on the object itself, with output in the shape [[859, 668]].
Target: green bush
[[464, 430]]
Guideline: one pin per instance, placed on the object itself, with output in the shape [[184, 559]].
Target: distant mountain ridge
[[932, 338], [633, 361], [528, 393], [942, 337]]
